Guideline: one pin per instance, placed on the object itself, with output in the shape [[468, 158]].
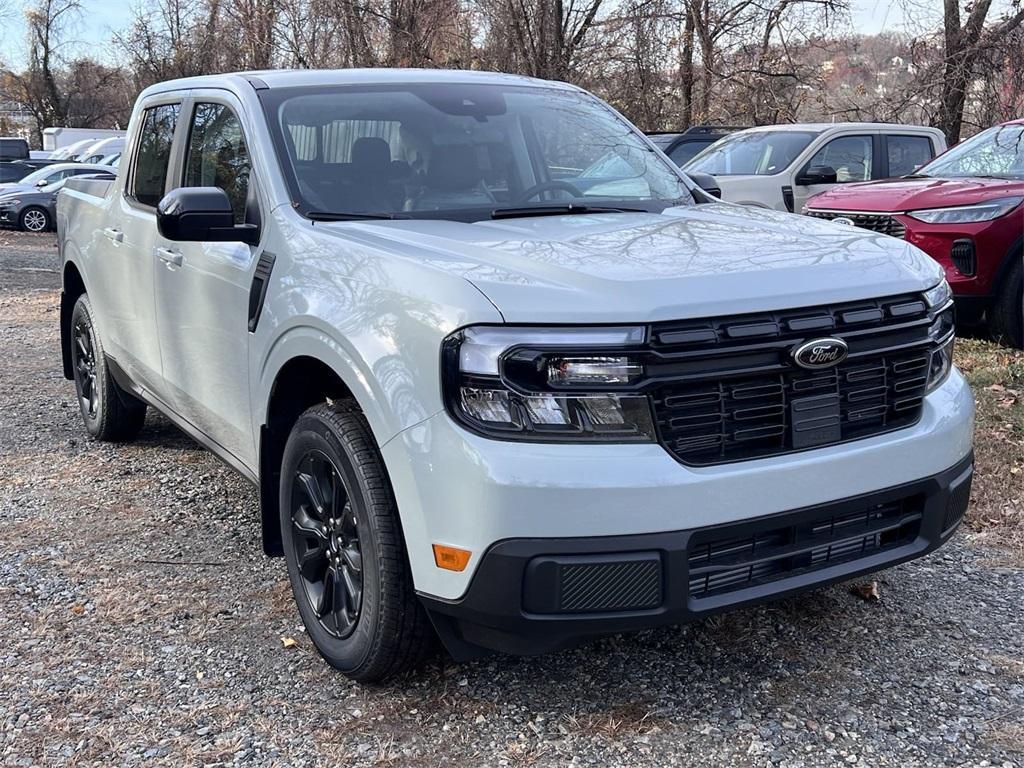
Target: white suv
[[781, 166], [500, 372]]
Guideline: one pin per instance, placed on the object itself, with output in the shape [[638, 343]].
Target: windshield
[[461, 151], [997, 151], [751, 153]]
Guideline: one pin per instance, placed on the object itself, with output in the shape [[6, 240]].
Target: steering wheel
[[549, 186]]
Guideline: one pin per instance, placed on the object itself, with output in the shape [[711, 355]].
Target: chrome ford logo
[[844, 220], [820, 353]]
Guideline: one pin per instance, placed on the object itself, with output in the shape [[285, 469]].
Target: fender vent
[[258, 290]]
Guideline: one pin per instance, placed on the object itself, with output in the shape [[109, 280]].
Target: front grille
[[876, 222], [730, 391], [720, 563]]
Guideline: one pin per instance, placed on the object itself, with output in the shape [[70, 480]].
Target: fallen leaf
[[78, 610], [867, 591], [288, 642]]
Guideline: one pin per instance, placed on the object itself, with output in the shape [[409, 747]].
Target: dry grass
[[996, 374]]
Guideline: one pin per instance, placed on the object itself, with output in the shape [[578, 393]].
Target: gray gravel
[[141, 624]]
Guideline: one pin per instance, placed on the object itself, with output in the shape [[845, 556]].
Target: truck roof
[[822, 127], [289, 78]]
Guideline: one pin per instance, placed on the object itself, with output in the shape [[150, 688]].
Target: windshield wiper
[[916, 176], [559, 210], [351, 216]]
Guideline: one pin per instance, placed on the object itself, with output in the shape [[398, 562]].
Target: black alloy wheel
[[84, 358], [326, 542], [342, 540], [108, 412]]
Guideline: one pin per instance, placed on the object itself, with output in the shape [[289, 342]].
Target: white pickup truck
[[501, 372]]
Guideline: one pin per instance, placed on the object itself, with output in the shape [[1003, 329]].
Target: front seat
[[371, 173], [454, 179]]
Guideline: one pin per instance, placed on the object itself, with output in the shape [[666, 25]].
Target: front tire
[[109, 413], [1006, 317], [343, 543], [35, 219]]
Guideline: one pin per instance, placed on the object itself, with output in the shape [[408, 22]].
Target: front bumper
[[533, 595]]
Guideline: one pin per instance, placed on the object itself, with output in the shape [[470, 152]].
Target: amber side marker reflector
[[451, 558]]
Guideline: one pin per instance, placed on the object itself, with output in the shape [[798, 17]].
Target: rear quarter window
[[149, 174]]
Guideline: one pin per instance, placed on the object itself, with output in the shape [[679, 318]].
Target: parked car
[[781, 166], [29, 204], [681, 147], [486, 395], [12, 148], [13, 172], [104, 148], [71, 152], [966, 210]]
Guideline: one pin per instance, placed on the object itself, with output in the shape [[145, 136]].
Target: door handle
[[171, 257], [114, 234]]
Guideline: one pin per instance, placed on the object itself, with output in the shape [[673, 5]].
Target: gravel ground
[[141, 624]]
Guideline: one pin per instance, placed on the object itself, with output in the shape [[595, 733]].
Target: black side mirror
[[707, 182], [817, 174], [201, 214]]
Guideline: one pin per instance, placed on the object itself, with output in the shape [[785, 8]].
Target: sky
[[100, 18]]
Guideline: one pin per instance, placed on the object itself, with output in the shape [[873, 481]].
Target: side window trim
[[128, 189]]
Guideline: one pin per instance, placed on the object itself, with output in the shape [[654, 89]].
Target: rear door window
[[907, 153], [149, 176]]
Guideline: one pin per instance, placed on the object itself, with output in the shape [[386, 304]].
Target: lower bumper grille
[[726, 564]]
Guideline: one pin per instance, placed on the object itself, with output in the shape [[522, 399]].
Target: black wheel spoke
[[353, 558], [311, 487], [307, 524], [314, 559], [325, 543]]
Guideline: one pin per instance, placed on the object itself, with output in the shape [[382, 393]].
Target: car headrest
[[370, 152], [454, 167]]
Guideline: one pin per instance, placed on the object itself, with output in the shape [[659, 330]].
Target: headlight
[[967, 214], [547, 384], [9, 203], [941, 364], [939, 295]]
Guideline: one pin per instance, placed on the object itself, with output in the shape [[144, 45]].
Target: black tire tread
[[121, 414], [1006, 317], [405, 636]]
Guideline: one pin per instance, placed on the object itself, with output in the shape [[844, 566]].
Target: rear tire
[[346, 555], [109, 413], [35, 219], [1006, 317]]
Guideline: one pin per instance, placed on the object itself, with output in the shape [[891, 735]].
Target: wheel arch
[[72, 286], [301, 382]]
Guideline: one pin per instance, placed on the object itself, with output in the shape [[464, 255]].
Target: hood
[[898, 195], [699, 261], [14, 188]]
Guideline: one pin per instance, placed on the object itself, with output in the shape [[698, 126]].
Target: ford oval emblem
[[843, 220], [820, 353]]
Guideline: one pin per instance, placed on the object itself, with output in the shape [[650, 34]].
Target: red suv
[[966, 210]]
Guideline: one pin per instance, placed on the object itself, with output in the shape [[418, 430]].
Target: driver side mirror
[[707, 182], [201, 214], [42, 183], [817, 174]]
